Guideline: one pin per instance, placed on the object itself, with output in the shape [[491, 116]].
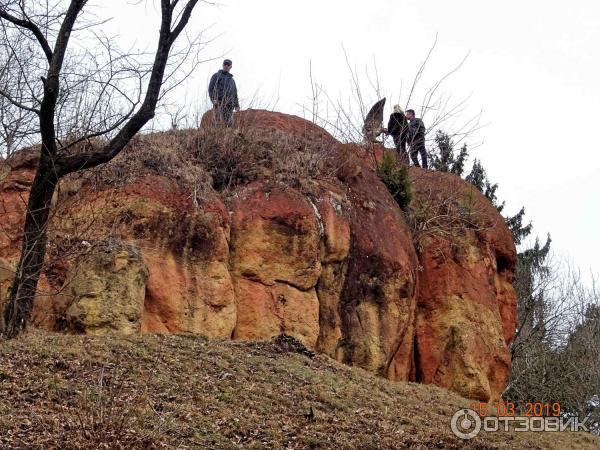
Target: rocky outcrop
[[105, 289], [466, 304], [327, 259], [459, 336]]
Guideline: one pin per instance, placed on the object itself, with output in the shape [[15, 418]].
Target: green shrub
[[394, 175]]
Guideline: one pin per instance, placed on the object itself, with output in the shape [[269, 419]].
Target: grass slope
[[60, 391]]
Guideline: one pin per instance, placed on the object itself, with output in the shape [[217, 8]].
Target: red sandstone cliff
[[312, 247]]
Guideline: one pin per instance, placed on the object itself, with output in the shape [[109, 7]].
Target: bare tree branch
[[69, 164], [31, 27], [17, 104]]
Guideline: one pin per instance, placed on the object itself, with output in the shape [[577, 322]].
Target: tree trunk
[[17, 311], [52, 166]]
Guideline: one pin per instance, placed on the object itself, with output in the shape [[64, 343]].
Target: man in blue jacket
[[416, 139], [223, 94]]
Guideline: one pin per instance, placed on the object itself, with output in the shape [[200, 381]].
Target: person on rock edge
[[398, 129], [222, 92], [416, 139]]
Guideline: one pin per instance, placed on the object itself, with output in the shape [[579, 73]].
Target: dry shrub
[[445, 216], [238, 156], [231, 159], [219, 157], [167, 153]]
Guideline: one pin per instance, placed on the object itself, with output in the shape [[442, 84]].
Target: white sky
[[533, 69]]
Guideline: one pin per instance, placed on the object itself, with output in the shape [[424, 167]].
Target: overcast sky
[[532, 70]]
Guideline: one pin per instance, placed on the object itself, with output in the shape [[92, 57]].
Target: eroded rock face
[[106, 288], [466, 304], [275, 239], [377, 301], [275, 236], [459, 335], [267, 311], [330, 261], [16, 176]]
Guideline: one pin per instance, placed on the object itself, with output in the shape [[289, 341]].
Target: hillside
[[182, 391]]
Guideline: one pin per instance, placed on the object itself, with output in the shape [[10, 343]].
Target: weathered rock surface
[[105, 289], [378, 298], [329, 260], [466, 304]]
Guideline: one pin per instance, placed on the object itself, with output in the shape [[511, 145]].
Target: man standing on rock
[[416, 138], [398, 129], [223, 95]]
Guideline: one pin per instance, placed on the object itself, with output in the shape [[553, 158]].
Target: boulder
[[106, 288], [274, 257], [275, 236]]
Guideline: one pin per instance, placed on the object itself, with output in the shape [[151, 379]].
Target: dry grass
[[221, 158], [238, 156], [61, 391], [445, 215], [169, 153]]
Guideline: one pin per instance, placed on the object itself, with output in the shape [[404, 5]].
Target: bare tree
[[82, 97], [555, 354]]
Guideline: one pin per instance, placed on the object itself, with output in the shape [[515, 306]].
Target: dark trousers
[[400, 144], [415, 149], [224, 115]]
